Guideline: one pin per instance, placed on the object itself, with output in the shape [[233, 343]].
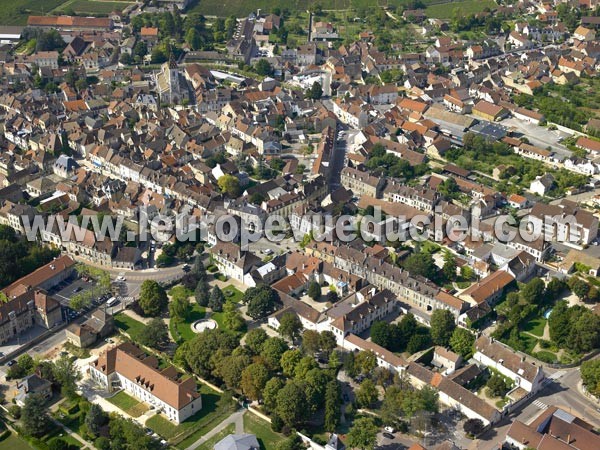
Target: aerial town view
[[300, 224]]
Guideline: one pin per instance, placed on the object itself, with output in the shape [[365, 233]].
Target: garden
[[128, 404]]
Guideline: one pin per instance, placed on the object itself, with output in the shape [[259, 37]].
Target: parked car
[[389, 429], [388, 435], [12, 362]]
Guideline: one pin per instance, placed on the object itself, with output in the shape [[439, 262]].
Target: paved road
[[236, 418]]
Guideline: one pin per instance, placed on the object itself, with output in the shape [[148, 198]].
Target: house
[[554, 428], [362, 183], [127, 367], [233, 261], [497, 356], [32, 384], [521, 267], [238, 442], [519, 41], [489, 111], [517, 201], [446, 359], [542, 184], [565, 222], [578, 259], [98, 326], [489, 289], [590, 145], [582, 33]]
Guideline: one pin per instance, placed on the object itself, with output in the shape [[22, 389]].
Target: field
[[267, 438], [243, 8], [446, 11], [181, 329], [15, 12], [535, 326], [92, 7]]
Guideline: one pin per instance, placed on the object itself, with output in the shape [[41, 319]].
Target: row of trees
[[575, 328]]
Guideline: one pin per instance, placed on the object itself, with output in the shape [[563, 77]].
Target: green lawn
[[130, 326], [535, 326], [14, 442], [182, 330], [529, 341], [446, 10], [546, 356], [267, 438], [215, 409], [233, 294], [209, 445], [128, 404]]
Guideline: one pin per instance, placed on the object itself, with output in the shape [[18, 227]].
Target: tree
[[554, 288], [216, 300], [314, 290], [315, 384], [305, 365], [95, 419], [366, 394], [254, 380], [255, 339], [294, 442], [272, 351], [449, 268], [418, 342], [198, 353], [421, 264], [442, 326], [66, 375], [533, 291], [260, 300], [497, 385], [462, 342], [333, 400], [291, 404], [363, 434], [34, 416], [289, 360], [579, 287], [272, 388], [202, 292], [180, 307], [585, 332], [365, 361], [232, 317], [154, 334], [311, 342], [229, 185], [153, 298], [263, 67], [194, 39], [559, 323], [473, 426], [381, 334], [315, 92], [590, 375], [448, 188], [327, 341], [290, 326]]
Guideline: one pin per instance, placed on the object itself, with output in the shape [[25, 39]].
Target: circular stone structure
[[204, 324]]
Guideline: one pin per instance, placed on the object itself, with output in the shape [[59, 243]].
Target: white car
[[121, 278], [389, 429]]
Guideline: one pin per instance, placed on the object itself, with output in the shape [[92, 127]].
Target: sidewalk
[[236, 418]]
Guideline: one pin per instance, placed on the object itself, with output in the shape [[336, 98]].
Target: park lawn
[[232, 293], [14, 442], [129, 325], [267, 438], [208, 445], [182, 329], [214, 411], [530, 342], [546, 356], [446, 11], [128, 404], [535, 326]]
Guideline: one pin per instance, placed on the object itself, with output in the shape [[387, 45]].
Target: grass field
[[267, 438], [535, 326], [15, 12], [92, 7], [130, 326], [127, 403], [208, 445], [446, 10], [15, 443]]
